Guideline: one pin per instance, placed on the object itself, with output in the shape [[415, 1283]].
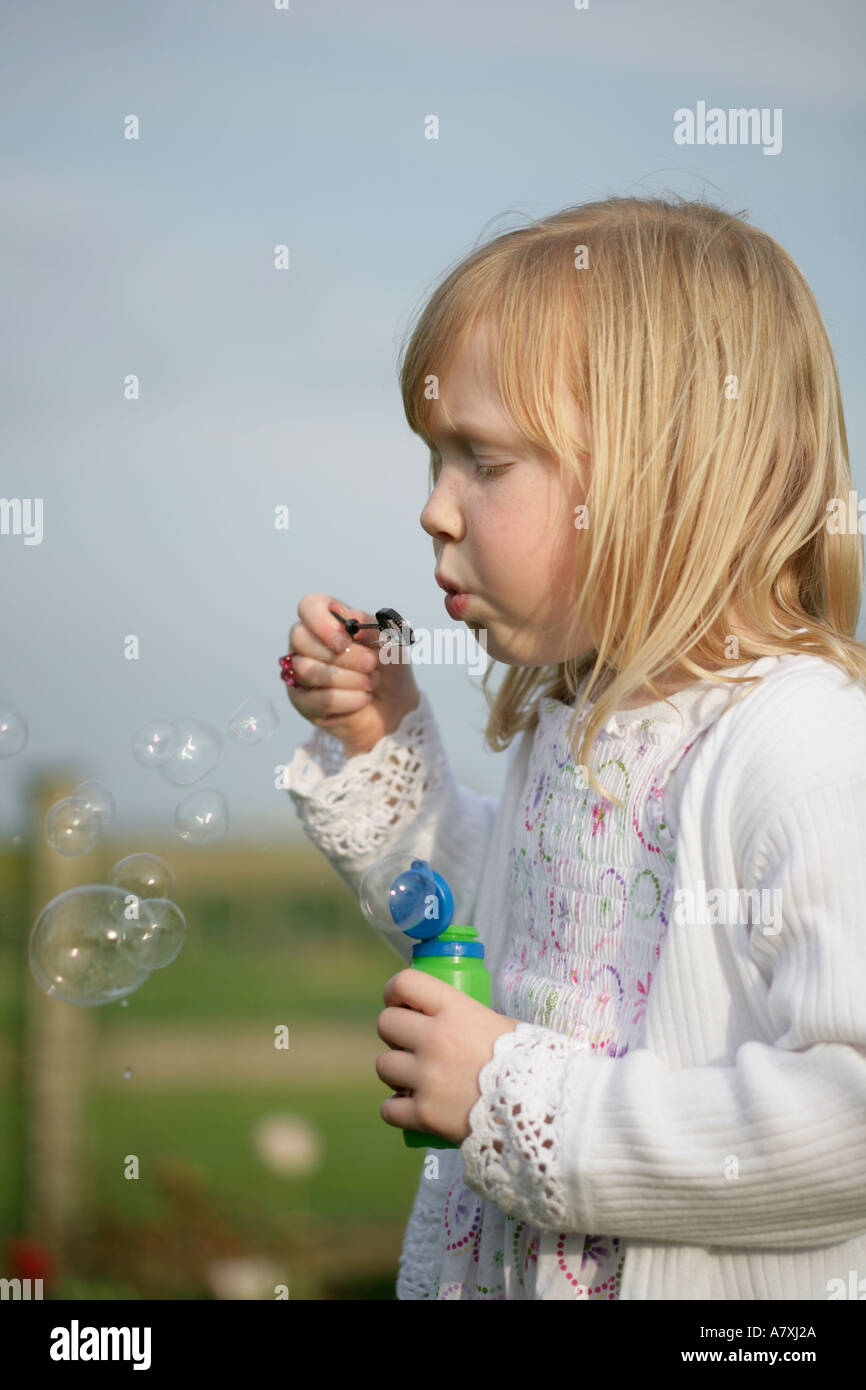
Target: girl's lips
[[456, 604]]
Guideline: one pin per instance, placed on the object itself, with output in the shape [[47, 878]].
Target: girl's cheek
[[511, 527]]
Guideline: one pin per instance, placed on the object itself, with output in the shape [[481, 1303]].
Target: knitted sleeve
[[767, 1152], [399, 797]]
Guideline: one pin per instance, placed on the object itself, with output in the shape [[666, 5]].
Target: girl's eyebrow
[[463, 436]]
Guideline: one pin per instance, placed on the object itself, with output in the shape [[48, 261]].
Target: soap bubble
[[399, 894], [98, 801], [196, 753], [202, 816], [14, 732], [254, 720], [156, 937], [170, 932], [71, 828], [154, 744], [127, 1073], [79, 947], [145, 875]]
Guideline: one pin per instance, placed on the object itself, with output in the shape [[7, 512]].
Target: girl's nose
[[442, 515]]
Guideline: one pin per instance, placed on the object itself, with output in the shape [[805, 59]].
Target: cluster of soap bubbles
[[75, 823], [97, 943], [14, 732], [186, 750]]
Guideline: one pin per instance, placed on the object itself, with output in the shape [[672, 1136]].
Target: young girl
[[642, 496]]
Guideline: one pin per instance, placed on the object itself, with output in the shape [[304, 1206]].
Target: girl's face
[[508, 539]]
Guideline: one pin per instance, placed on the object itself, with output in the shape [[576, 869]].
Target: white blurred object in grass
[[289, 1145], [244, 1277]]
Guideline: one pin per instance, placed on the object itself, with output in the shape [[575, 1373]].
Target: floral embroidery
[[590, 885], [642, 989]]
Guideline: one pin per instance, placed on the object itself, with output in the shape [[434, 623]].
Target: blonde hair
[[697, 352]]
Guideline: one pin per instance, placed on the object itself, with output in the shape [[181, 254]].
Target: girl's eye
[[481, 470]]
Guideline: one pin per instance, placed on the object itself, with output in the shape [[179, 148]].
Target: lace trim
[[418, 1261], [510, 1154], [418, 1276], [330, 792]]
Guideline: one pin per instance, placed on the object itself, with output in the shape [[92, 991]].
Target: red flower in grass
[[28, 1259]]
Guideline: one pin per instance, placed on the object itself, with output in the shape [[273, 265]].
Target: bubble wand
[[419, 903], [387, 620]]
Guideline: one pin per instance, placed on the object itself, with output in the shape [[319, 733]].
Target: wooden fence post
[[58, 1037]]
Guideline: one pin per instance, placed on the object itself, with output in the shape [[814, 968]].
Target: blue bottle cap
[[420, 902]]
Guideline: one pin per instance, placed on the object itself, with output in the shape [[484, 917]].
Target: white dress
[[589, 902], [653, 1049]]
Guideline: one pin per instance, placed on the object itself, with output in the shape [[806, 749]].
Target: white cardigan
[[730, 1151]]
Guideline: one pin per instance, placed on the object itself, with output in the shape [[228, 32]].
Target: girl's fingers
[[319, 634], [315, 703], [326, 675]]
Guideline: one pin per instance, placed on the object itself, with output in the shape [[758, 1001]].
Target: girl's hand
[[343, 686], [438, 1053]]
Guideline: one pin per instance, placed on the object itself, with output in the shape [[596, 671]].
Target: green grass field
[[203, 1191]]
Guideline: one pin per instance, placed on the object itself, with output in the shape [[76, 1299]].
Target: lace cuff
[[400, 797], [511, 1153], [343, 813]]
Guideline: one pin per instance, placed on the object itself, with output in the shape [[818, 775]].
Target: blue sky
[[306, 127]]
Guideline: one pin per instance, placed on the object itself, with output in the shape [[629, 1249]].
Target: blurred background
[[259, 1166], [260, 388]]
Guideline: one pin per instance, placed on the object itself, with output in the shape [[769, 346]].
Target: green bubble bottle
[[419, 903]]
